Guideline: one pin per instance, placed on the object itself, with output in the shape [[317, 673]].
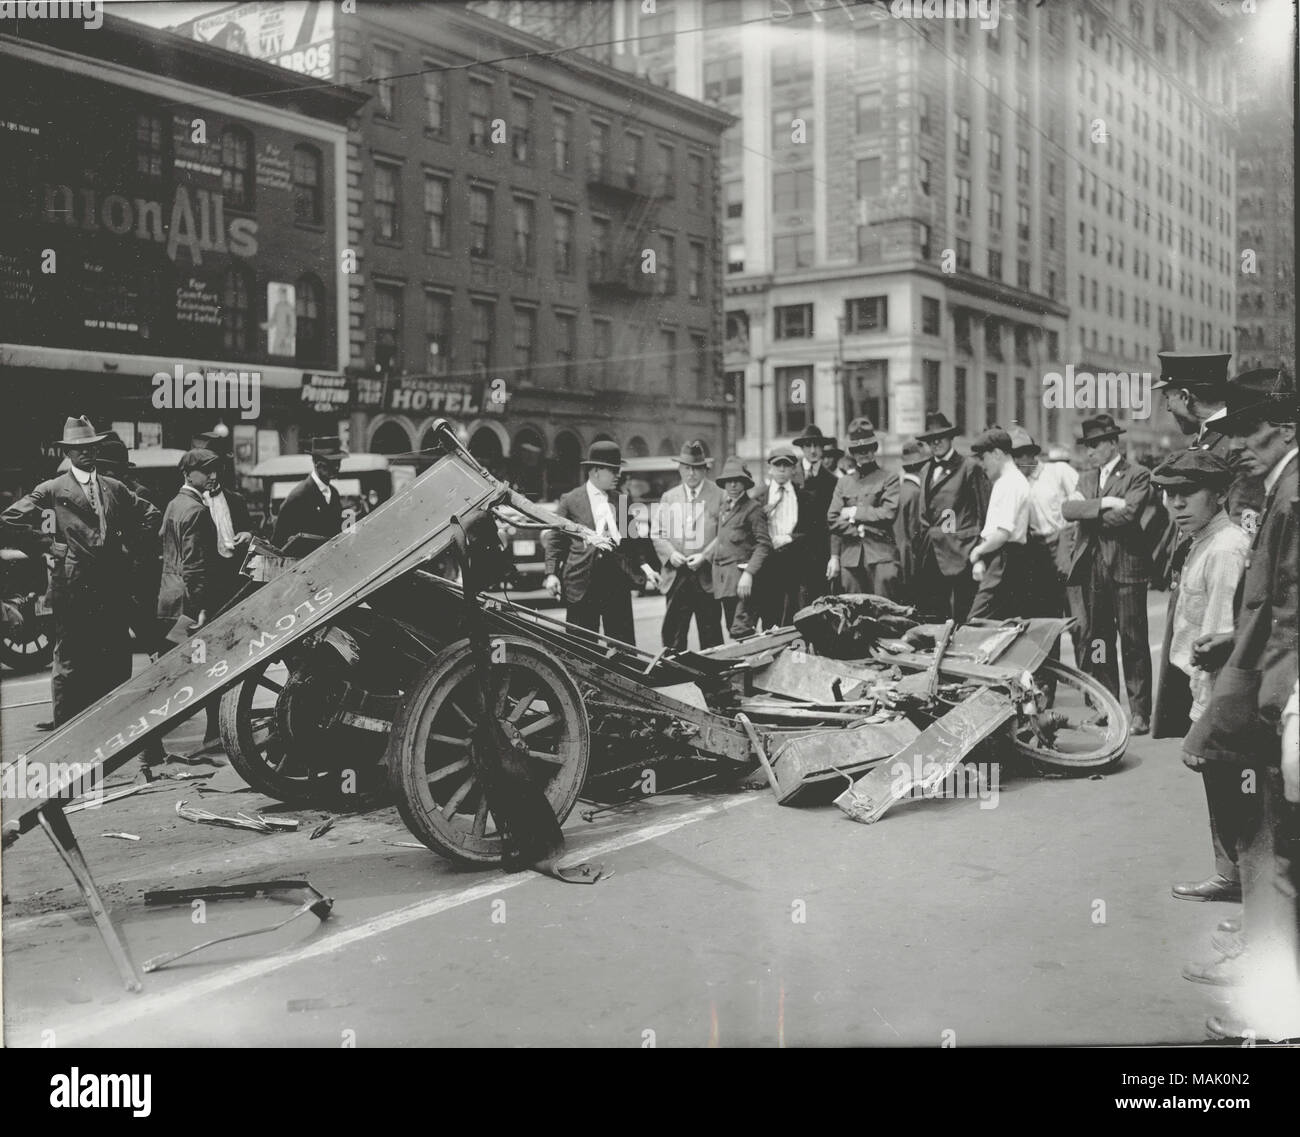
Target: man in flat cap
[[914, 457], [90, 525], [778, 589], [1204, 580], [861, 519], [1110, 567], [1256, 675], [954, 500], [998, 561]]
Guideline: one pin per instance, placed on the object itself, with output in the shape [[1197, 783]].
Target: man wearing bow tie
[[954, 501], [597, 585]]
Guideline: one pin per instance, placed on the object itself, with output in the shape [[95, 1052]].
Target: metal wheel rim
[[1070, 742], [262, 728]]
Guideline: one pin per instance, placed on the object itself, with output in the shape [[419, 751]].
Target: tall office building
[[943, 213]]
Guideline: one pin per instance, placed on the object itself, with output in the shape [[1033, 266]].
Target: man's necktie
[[98, 507], [776, 505]]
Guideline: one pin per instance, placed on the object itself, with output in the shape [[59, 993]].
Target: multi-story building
[[903, 202], [1265, 141], [153, 217]]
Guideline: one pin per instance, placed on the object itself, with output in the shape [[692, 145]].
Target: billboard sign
[[294, 34]]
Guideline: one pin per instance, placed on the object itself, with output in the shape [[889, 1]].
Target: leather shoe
[[1216, 888], [1228, 944], [1231, 925], [1139, 726], [1223, 972]]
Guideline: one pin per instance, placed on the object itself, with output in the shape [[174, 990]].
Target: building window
[[1022, 166], [990, 398], [309, 304], [388, 328], [963, 254], [699, 366], [602, 344], [723, 77], [149, 145], [793, 251], [634, 158], [736, 258], [868, 111], [865, 314], [523, 234], [866, 391], [480, 113], [388, 225], [961, 332], [1022, 221], [794, 395], [734, 193], [923, 241], [385, 67], [1021, 337], [480, 335], [435, 101], [667, 265], [792, 61], [995, 211], [963, 134], [308, 206], [923, 113], [480, 222], [794, 322], [564, 241], [930, 310], [598, 260], [733, 391], [566, 344], [995, 264], [923, 175], [437, 331], [666, 369], [792, 190], [1021, 405], [236, 173], [992, 338], [1053, 346], [930, 381], [435, 213], [598, 152], [521, 128], [1022, 275], [666, 178], [695, 178], [695, 283], [524, 334], [963, 197], [237, 311], [959, 393], [562, 128], [995, 150]]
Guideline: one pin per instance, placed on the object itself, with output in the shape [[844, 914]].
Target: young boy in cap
[[778, 594], [998, 564], [742, 547], [861, 517]]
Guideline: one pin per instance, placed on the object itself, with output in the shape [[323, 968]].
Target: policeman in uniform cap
[[1257, 673], [861, 518]]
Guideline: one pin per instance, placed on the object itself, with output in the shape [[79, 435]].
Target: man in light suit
[[684, 530], [1110, 568], [93, 527], [597, 584]]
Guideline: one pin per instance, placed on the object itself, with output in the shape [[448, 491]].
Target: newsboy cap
[[197, 459], [1193, 469], [995, 438]]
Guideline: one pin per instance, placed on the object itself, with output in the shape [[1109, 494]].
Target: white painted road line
[[137, 1007]]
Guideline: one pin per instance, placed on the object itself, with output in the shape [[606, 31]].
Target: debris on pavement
[[407, 844], [122, 836], [239, 821], [95, 801], [321, 829], [310, 898]]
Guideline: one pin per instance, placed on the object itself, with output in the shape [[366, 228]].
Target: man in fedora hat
[[831, 455], [1256, 666], [954, 500], [91, 525], [595, 584], [787, 524], [915, 455], [742, 550], [1109, 568], [313, 507], [861, 519], [814, 485], [684, 529]]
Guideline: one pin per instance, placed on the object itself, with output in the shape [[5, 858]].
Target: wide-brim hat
[[1266, 393], [732, 471], [605, 454], [914, 454], [113, 452], [834, 450], [693, 454], [862, 435], [1194, 469], [1191, 369], [1099, 428], [937, 426], [80, 432], [1022, 442], [329, 448], [813, 437]]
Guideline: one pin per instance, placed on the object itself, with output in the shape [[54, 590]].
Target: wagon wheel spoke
[[480, 817], [450, 740], [544, 756], [446, 771], [459, 796], [522, 705], [469, 722], [540, 724], [270, 684]]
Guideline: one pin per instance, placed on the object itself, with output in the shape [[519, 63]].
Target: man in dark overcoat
[[954, 500], [814, 484], [861, 519], [1110, 566], [915, 455], [741, 551], [91, 526], [314, 507]]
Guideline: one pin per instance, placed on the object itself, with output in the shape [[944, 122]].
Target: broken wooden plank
[[820, 757]]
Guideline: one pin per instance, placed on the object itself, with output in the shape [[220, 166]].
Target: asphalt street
[[1039, 915]]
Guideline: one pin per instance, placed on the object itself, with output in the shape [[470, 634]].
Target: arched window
[[527, 469], [237, 311], [566, 470], [667, 448], [237, 167], [309, 299], [308, 185], [485, 446], [637, 447], [390, 438]]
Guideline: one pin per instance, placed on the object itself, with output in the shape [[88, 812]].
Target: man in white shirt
[[998, 558], [778, 587], [1050, 485]]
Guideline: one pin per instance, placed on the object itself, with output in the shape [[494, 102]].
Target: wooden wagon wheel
[[1083, 731], [430, 766]]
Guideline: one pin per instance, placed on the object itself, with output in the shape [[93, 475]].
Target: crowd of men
[[1003, 532], [118, 567]]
